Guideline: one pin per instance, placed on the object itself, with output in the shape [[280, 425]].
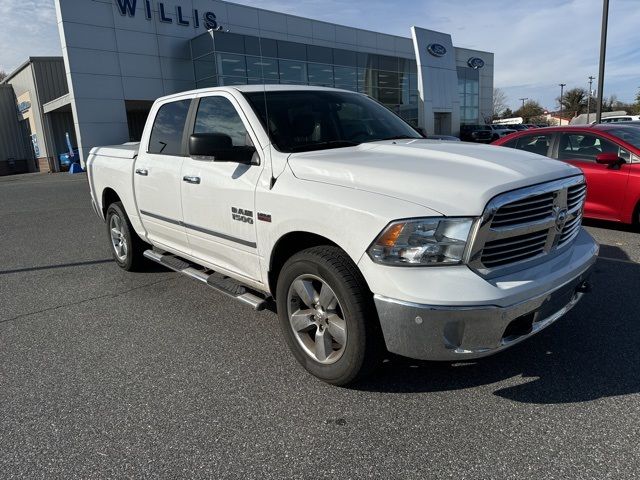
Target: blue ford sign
[[128, 7], [436, 49], [475, 63]]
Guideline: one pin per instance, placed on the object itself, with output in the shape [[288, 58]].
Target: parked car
[[621, 118], [609, 156], [499, 131], [476, 133], [517, 126], [365, 234]]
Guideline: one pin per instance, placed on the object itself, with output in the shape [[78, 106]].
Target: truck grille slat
[[526, 224], [515, 213]]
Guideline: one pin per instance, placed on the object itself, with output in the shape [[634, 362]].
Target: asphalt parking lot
[[105, 373]]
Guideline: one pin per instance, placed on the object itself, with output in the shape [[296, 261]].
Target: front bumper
[[457, 332]]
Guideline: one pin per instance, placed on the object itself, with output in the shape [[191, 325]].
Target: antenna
[[272, 180]]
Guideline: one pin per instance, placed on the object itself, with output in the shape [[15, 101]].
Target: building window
[[230, 64], [320, 74], [469, 91], [292, 71], [244, 59]]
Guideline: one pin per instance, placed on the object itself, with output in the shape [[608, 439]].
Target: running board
[[215, 280]]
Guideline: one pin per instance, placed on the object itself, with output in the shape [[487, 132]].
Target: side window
[[534, 143], [583, 147], [218, 115], [168, 127]]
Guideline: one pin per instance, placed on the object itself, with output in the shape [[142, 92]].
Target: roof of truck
[[253, 88]]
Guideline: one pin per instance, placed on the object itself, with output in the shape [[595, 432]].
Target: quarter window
[[218, 115], [168, 128]]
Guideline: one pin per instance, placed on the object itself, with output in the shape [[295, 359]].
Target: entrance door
[[442, 123]]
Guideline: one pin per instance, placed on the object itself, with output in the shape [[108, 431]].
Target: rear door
[[218, 197], [157, 180], [606, 185], [539, 143]]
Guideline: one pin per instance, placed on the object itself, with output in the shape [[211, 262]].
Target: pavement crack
[[86, 300]]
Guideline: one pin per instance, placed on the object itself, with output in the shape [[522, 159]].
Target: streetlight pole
[[523, 100], [562, 85], [603, 49], [591, 79]]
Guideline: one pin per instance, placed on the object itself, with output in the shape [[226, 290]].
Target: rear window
[[168, 128]]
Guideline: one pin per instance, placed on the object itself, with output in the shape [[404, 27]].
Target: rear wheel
[[327, 316], [127, 248]]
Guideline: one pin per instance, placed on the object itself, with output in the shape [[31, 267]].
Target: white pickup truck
[[368, 237]]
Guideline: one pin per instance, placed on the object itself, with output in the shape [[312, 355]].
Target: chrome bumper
[[429, 332]]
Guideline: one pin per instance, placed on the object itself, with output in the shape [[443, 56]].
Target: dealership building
[[120, 55]]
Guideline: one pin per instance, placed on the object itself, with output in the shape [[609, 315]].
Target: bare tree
[[3, 75], [499, 102]]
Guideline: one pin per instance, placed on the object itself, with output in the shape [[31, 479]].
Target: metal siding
[[11, 145], [51, 79]]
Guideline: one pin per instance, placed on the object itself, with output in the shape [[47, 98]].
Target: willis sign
[[208, 19]]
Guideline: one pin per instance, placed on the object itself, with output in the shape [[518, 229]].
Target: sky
[[537, 43]]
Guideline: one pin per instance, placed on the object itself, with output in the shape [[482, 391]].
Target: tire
[[325, 275], [120, 232]]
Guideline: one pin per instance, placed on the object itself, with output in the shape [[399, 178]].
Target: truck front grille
[[527, 224]]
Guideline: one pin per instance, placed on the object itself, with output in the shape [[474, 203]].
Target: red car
[[609, 156]]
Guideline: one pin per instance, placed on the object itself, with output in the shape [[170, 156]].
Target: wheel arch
[[287, 246], [109, 196]]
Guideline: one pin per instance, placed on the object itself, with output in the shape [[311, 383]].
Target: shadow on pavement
[[621, 227], [591, 353]]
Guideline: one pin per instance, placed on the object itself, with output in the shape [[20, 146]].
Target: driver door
[[606, 186], [218, 197]]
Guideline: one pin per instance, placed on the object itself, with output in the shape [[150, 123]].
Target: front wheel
[[127, 248], [327, 316]]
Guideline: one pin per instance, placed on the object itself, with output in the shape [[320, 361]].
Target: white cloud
[[29, 29]]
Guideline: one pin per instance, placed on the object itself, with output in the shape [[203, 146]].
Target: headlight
[[422, 241]]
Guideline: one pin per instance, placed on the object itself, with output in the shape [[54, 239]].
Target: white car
[[620, 118], [369, 237]]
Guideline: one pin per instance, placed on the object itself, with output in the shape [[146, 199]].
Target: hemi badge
[[263, 217]]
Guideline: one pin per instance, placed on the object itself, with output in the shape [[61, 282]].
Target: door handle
[[142, 171], [189, 179]]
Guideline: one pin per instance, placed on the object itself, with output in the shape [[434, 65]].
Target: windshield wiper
[[324, 145]]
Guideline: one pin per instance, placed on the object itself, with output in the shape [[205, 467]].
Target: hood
[[453, 178]]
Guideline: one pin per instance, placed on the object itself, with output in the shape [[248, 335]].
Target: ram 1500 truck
[[369, 238]]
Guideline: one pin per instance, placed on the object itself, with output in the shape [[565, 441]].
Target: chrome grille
[[527, 224], [512, 249], [528, 210], [576, 196]]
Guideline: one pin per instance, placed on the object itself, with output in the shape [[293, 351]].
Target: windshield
[[629, 135], [305, 120]]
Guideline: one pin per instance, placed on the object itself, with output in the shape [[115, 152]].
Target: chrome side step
[[217, 281]]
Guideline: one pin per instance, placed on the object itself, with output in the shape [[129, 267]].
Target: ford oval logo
[[475, 63], [436, 50]]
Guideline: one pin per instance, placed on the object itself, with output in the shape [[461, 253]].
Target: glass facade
[[233, 59], [469, 90]]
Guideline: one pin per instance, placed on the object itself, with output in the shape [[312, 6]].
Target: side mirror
[[218, 147], [609, 159]]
